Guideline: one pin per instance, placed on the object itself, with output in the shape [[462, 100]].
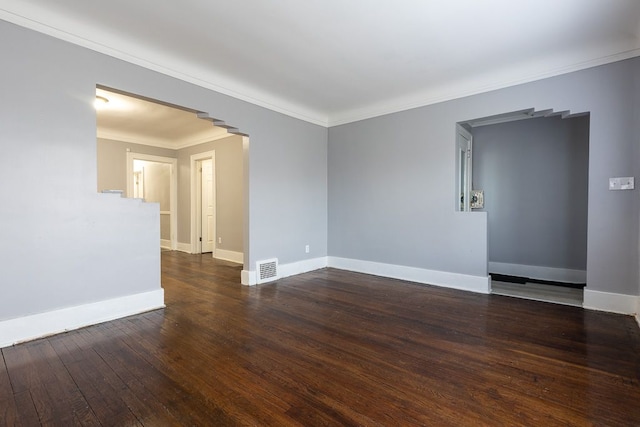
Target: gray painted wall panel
[[391, 179], [63, 244], [636, 153], [534, 174], [112, 161], [48, 120], [229, 182], [229, 187]]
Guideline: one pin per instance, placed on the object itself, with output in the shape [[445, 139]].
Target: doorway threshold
[[539, 292]]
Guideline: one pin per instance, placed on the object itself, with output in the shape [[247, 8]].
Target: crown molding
[[159, 143], [242, 92], [188, 74], [468, 88], [134, 139], [202, 140]]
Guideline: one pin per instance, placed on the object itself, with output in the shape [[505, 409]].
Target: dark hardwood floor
[[328, 348]]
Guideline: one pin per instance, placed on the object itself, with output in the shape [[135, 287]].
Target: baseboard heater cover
[[267, 270]]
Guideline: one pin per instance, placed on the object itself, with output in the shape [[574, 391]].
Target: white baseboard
[[615, 303], [14, 331], [540, 273], [291, 269], [165, 244], [184, 247], [249, 277], [432, 277], [229, 256], [445, 279]]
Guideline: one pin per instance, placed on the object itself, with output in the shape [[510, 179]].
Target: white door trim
[[247, 214], [173, 188], [464, 143], [195, 158]]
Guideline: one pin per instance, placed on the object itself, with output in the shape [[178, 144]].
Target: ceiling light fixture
[[100, 101]]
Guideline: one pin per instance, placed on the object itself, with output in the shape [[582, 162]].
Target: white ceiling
[[335, 61], [130, 119]]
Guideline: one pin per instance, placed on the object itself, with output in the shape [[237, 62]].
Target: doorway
[[203, 202], [129, 123], [531, 169], [154, 179]]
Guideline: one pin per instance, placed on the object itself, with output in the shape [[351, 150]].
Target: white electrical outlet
[[306, 249], [623, 183], [219, 239]]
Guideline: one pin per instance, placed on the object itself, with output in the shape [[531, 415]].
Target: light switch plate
[[624, 183]]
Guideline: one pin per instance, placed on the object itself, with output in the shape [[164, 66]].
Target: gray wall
[[157, 189], [84, 252], [391, 178], [229, 184], [391, 194], [63, 244], [636, 153], [112, 161], [389, 197], [534, 174]]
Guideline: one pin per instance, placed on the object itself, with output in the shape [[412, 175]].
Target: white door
[[138, 184], [207, 197], [464, 159]]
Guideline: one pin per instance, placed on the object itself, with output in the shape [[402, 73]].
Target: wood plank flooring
[[328, 348]]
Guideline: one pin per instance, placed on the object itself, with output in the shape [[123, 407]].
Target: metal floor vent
[[267, 270]]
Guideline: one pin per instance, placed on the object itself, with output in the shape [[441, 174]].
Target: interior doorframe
[[173, 188], [465, 187], [245, 276], [196, 226], [525, 115]]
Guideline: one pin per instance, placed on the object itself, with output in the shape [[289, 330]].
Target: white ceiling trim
[[156, 61], [232, 89], [469, 88], [155, 142], [203, 140], [133, 139]]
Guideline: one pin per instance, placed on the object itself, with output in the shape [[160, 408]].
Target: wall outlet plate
[[623, 183]]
